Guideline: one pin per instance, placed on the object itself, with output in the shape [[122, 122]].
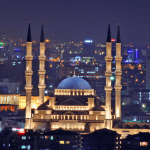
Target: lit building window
[[23, 147], [96, 117], [97, 127], [68, 126], [67, 142], [61, 142], [91, 113], [41, 116], [143, 143], [52, 138], [41, 137], [23, 137], [28, 146]]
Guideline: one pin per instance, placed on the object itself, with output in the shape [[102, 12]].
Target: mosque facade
[[73, 106]]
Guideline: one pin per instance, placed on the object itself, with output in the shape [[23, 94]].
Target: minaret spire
[[29, 33], [109, 34], [42, 34], [118, 35]]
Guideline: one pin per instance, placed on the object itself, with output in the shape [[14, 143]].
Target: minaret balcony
[[108, 58], [108, 88], [118, 87], [118, 58], [42, 58], [41, 72], [28, 73], [108, 73], [28, 87], [118, 73], [29, 57], [41, 86]]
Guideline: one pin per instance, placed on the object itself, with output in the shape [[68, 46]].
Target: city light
[[143, 143], [112, 78], [46, 91], [88, 41], [21, 131], [1, 43], [17, 129], [47, 40], [51, 86], [113, 40]]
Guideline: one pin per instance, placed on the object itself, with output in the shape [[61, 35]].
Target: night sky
[[76, 20]]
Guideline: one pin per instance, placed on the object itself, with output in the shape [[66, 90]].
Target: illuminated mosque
[[74, 105]]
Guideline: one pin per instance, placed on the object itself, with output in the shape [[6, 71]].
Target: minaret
[[28, 75], [118, 74], [108, 73], [42, 71]]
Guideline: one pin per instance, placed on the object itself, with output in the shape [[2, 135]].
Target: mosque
[[74, 105]]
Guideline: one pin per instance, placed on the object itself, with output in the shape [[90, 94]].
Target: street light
[[112, 78]]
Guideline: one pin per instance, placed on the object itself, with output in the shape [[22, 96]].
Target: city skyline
[[91, 90], [77, 20]]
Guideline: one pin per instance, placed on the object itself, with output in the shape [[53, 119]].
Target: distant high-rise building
[[148, 70], [88, 48], [10, 48]]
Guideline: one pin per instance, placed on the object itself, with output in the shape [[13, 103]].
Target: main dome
[[74, 83]]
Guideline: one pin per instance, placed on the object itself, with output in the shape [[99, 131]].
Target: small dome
[[74, 83]]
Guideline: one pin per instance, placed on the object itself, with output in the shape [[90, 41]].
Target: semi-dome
[[74, 83]]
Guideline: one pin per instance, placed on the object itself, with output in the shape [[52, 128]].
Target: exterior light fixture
[[112, 78]]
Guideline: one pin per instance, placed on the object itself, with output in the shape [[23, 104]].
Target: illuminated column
[[28, 75], [108, 88], [42, 71], [118, 74]]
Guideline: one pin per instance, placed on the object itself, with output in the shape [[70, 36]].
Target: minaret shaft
[[108, 87], [118, 85], [28, 87], [42, 72]]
